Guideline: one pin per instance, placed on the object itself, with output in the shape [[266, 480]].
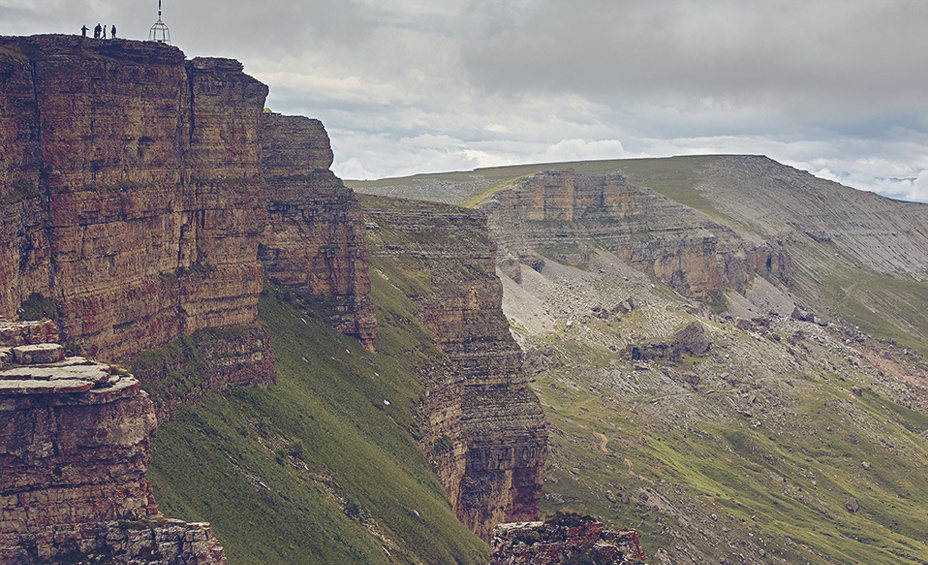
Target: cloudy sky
[[837, 87]]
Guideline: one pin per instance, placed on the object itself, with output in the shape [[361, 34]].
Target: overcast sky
[[838, 87]]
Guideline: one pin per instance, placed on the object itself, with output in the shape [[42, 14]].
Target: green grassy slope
[[639, 452], [323, 467]]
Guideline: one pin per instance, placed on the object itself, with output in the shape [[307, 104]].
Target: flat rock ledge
[[75, 442]]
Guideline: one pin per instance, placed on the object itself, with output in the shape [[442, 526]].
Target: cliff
[[487, 435], [315, 239], [134, 195], [133, 199], [556, 214], [75, 441]]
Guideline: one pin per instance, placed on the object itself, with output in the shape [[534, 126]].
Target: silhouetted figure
[[113, 33], [104, 32], [84, 30], [96, 31]]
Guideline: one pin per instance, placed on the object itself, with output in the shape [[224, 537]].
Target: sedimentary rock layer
[[134, 197], [132, 193], [557, 214], [488, 435], [75, 441], [582, 540], [315, 238]]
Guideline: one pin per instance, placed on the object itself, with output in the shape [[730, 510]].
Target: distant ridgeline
[[144, 199]]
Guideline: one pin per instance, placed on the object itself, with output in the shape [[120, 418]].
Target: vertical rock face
[[75, 441], [556, 213], [315, 237], [134, 196], [488, 434]]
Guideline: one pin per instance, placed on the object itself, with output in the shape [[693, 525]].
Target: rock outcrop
[[315, 238], [581, 540], [139, 206], [488, 435], [691, 340], [133, 195], [556, 214], [75, 441]]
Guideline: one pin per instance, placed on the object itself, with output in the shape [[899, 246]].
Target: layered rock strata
[[315, 238], [134, 197], [75, 441], [545, 543], [487, 434], [556, 214], [208, 360], [132, 192]]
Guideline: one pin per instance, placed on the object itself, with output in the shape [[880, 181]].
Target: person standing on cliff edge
[[96, 31], [84, 30], [113, 32]]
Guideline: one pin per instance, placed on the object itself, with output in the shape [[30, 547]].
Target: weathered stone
[[136, 177], [315, 242], [693, 339], [38, 353], [151, 541], [547, 543], [488, 435], [75, 442], [553, 211]]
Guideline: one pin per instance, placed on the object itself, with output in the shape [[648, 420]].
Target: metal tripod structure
[[159, 32]]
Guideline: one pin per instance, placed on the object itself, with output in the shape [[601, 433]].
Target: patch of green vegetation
[[37, 307], [790, 481], [482, 196], [180, 366], [882, 306], [718, 302], [22, 189], [673, 177], [304, 471]]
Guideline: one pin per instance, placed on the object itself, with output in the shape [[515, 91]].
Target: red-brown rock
[[551, 212], [488, 435]]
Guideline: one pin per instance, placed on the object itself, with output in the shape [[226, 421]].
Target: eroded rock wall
[[488, 435], [546, 543], [557, 214], [133, 196], [75, 442], [315, 236]]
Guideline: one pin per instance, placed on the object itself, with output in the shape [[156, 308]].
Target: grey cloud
[[837, 87]]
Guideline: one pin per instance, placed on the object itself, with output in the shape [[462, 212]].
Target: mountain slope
[[800, 434], [322, 467]]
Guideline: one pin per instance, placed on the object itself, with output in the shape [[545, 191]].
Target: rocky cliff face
[[578, 539], [314, 239], [75, 441], [134, 195], [133, 199], [487, 434], [557, 213]]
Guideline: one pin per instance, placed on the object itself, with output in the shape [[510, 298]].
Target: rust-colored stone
[[553, 211], [488, 436]]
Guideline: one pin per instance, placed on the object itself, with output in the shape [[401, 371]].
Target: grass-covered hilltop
[[791, 427]]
